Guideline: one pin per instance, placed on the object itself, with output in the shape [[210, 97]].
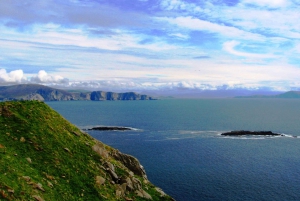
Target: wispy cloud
[[229, 46], [195, 24]]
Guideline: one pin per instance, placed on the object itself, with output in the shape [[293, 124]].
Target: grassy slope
[[63, 165]]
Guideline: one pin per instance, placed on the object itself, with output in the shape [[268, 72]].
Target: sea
[[179, 144]]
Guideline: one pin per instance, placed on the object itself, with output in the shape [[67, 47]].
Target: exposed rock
[[242, 132], [129, 184], [100, 180], [131, 163], [76, 133], [113, 175], [143, 194], [67, 150], [26, 178], [100, 149], [39, 186], [49, 184], [110, 166], [22, 139], [10, 190], [136, 183], [120, 192], [38, 198], [162, 193], [29, 160], [50, 177]]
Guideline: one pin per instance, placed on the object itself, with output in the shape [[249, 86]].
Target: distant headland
[[45, 93]]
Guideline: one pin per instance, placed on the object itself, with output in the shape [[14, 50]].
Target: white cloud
[[43, 77], [16, 76], [268, 3], [230, 45]]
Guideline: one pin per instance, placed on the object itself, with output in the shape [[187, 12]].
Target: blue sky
[[151, 45]]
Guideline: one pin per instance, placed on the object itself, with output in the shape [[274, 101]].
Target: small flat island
[[242, 133], [110, 128]]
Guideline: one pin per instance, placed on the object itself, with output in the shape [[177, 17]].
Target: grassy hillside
[[44, 157]]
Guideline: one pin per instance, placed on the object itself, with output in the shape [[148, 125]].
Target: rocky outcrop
[[242, 133], [130, 162], [126, 182]]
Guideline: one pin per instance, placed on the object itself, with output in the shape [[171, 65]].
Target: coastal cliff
[[44, 93], [44, 157], [101, 95]]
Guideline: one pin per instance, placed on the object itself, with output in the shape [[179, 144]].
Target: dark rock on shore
[[108, 128], [242, 132]]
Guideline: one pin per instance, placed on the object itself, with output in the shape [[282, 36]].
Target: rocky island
[[110, 128], [242, 133]]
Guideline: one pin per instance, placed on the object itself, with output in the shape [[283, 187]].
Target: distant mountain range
[[289, 94], [44, 93]]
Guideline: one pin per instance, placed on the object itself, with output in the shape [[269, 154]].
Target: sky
[[151, 45]]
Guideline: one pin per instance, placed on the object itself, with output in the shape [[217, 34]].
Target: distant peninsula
[[242, 133], [289, 94], [45, 93]]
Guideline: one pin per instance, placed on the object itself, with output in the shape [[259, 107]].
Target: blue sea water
[[179, 144]]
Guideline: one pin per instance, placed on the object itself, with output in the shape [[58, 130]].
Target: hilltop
[[45, 93], [44, 157]]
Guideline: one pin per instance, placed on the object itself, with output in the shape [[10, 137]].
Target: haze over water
[[179, 144]]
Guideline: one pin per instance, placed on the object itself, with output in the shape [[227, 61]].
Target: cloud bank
[[18, 77]]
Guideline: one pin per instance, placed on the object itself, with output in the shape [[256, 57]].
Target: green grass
[[62, 162]]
